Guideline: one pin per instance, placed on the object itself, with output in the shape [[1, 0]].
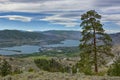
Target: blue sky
[[41, 15]]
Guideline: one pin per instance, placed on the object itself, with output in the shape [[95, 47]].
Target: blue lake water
[[27, 49], [66, 43]]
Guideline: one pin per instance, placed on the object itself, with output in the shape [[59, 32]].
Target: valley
[[59, 40], [61, 46]]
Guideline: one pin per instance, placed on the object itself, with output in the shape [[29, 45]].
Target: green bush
[[30, 70], [84, 67], [101, 73], [114, 69], [5, 68], [74, 69], [17, 71], [50, 65]]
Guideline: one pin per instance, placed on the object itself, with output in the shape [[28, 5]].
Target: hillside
[[116, 38], [19, 35], [25, 64], [63, 34], [16, 37]]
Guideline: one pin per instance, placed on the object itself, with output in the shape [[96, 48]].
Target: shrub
[[74, 69], [50, 65], [30, 70], [84, 68], [114, 69], [5, 68], [101, 73], [17, 71]]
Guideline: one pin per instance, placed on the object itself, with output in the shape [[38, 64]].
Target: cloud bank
[[62, 12], [18, 18]]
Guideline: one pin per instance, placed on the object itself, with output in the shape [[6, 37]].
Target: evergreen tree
[[95, 44]]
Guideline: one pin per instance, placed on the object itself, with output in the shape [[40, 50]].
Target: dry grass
[[37, 74], [43, 75]]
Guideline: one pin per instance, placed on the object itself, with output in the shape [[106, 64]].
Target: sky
[[42, 15]]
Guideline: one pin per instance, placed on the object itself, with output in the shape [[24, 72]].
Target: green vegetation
[[86, 68], [95, 44], [50, 65], [5, 68], [20, 35], [17, 71], [74, 69], [114, 69], [31, 70]]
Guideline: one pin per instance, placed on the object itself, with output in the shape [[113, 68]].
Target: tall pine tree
[[95, 44]]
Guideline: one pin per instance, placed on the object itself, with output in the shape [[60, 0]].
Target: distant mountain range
[[63, 34], [116, 38], [20, 35], [15, 34], [45, 37], [16, 37]]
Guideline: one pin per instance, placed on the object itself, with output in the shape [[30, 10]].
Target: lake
[[66, 43], [27, 49]]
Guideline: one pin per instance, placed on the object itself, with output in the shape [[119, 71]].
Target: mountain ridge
[[43, 37]]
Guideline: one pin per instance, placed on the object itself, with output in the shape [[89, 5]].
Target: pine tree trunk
[[95, 53]]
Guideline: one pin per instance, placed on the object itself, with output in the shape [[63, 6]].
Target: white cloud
[[112, 9], [29, 30], [58, 19], [68, 24], [64, 12], [106, 3], [112, 31], [55, 7], [16, 17], [118, 23], [55, 18], [112, 18], [4, 0], [49, 5]]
